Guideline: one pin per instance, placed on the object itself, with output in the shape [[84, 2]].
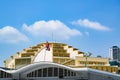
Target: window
[[50, 71], [5, 74], [55, 71], [71, 73], [35, 73], [40, 73], [65, 72], [1, 75], [31, 74], [74, 74], [60, 73], [68, 72], [45, 72]]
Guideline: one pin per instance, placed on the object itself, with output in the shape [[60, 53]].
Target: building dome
[[59, 53]]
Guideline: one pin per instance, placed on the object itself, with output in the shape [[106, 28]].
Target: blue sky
[[89, 25]]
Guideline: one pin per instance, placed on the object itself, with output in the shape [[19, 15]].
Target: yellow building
[[59, 53]]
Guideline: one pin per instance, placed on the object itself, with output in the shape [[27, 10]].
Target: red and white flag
[[47, 46]]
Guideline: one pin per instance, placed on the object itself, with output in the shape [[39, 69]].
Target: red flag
[[47, 46]]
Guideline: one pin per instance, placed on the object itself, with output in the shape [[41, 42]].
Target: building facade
[[114, 53], [53, 71], [59, 53]]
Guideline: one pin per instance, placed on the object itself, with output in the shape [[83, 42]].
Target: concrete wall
[[44, 55]]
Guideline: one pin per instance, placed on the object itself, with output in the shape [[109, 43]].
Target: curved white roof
[[80, 71], [44, 64], [39, 65]]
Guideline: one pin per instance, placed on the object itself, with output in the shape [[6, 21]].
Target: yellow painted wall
[[61, 55]]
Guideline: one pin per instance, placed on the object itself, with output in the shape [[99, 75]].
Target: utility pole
[[87, 55]]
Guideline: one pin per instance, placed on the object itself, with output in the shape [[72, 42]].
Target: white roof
[[43, 64]]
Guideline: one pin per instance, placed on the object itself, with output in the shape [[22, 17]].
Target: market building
[[63, 61]]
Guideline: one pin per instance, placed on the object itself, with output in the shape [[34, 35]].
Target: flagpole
[[52, 36]]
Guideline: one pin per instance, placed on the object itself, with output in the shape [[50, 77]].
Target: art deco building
[[59, 53], [52, 71]]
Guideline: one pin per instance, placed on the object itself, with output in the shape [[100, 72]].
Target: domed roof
[[39, 53]]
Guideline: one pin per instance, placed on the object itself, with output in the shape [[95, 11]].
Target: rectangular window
[[65, 72], [55, 71], [50, 70], [72, 73], [36, 73], [45, 72], [1, 75], [61, 73], [68, 72], [40, 73], [32, 75], [5, 74]]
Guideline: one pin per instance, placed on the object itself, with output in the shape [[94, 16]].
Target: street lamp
[[87, 55]]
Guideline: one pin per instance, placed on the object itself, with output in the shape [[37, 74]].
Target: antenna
[[52, 36]]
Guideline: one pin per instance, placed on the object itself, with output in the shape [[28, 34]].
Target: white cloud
[[11, 35], [46, 28], [90, 24]]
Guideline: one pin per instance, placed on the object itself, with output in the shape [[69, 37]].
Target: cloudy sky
[[89, 25]]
